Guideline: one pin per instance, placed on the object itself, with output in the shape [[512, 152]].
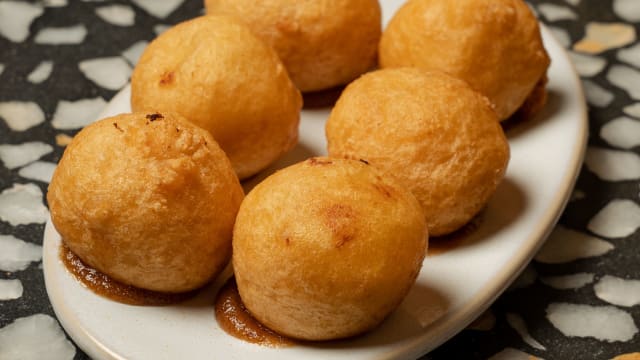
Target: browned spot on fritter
[[364, 161], [340, 219], [167, 78], [344, 238], [115, 125], [154, 117], [288, 26], [287, 241], [319, 161], [385, 190]]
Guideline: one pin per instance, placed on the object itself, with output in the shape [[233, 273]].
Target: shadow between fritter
[[299, 153], [322, 99], [506, 205], [516, 126]]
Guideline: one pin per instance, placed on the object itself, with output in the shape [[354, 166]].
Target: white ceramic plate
[[452, 289]]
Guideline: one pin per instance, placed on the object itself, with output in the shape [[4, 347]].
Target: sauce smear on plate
[[105, 286], [235, 319]]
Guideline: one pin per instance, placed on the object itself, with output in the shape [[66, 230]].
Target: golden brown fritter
[[327, 248], [494, 45], [432, 131], [148, 199], [322, 43], [213, 71]]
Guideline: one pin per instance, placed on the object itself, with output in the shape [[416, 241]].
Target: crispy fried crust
[[327, 248], [494, 45], [217, 74], [148, 199], [431, 131], [323, 43]]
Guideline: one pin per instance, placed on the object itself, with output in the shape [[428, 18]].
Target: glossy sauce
[[234, 318], [105, 286], [459, 238]]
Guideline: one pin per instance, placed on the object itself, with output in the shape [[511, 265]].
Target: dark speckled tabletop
[[61, 61]]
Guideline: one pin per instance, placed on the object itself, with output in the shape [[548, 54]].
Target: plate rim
[[489, 292], [519, 261]]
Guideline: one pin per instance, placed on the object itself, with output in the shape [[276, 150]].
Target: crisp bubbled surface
[[147, 198]]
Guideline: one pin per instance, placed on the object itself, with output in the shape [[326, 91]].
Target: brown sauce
[[235, 319], [457, 239], [105, 286]]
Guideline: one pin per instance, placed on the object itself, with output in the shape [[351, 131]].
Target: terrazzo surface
[[61, 61]]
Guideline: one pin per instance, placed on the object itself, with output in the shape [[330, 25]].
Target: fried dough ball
[[533, 104], [327, 248], [217, 74], [148, 199], [322, 43], [430, 130], [494, 45]]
